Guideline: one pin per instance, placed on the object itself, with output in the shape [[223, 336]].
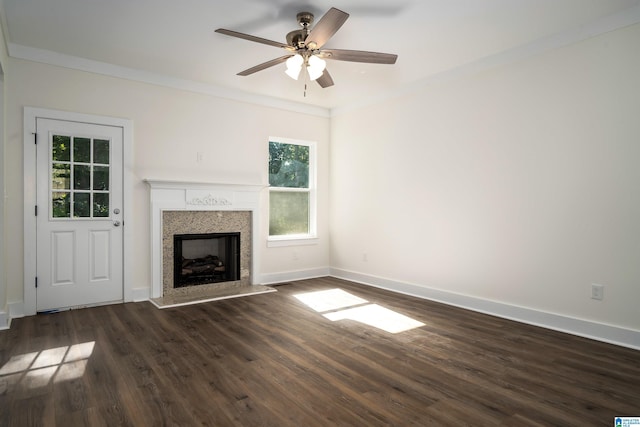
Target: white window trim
[[310, 238]]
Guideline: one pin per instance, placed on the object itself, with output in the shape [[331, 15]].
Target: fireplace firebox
[[201, 259]]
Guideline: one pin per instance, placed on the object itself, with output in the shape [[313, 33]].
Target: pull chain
[[306, 80]]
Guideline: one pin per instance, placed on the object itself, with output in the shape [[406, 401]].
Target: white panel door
[[79, 214]]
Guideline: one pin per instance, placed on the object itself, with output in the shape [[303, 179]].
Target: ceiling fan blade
[[325, 28], [359, 56], [251, 38], [325, 79], [264, 65]]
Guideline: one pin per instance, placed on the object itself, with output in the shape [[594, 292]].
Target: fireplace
[[202, 208], [201, 259]]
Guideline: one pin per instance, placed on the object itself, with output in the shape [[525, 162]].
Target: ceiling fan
[[304, 48]]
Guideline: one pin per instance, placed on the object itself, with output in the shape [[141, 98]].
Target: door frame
[[31, 114]]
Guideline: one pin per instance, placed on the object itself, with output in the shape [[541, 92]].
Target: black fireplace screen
[[205, 258]]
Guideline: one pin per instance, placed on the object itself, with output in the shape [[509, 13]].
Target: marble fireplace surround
[[173, 196]]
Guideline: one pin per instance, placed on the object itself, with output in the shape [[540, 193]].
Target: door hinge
[[35, 138], [36, 210], [36, 281]]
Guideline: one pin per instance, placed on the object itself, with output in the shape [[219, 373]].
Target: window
[[79, 177], [292, 190]]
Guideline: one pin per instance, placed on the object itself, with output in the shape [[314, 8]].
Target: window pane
[[61, 176], [288, 165], [100, 205], [101, 151], [81, 177], [81, 205], [101, 178], [288, 213], [60, 150], [82, 150], [60, 204]]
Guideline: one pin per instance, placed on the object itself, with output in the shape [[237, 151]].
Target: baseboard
[[141, 294], [584, 328], [288, 276], [5, 320], [15, 309]]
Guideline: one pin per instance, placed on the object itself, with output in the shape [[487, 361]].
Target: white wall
[[170, 128], [517, 185]]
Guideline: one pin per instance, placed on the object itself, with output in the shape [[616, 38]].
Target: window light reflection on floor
[[331, 299], [337, 304], [37, 369]]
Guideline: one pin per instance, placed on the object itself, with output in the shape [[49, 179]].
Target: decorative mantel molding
[[205, 198], [200, 196]]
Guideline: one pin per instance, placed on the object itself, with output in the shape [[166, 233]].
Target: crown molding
[[82, 64]]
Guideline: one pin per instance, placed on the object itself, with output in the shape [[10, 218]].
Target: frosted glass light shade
[[294, 66], [316, 67]]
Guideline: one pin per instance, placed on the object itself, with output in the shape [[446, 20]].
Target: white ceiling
[[176, 39]]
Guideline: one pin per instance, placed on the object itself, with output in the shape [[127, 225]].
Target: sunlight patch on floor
[[337, 304], [331, 299], [38, 369], [378, 317]]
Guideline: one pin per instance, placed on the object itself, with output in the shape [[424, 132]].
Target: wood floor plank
[[271, 360]]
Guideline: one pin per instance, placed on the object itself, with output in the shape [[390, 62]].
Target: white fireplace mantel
[[200, 196]]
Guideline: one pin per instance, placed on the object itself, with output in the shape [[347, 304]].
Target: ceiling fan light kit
[[305, 48]]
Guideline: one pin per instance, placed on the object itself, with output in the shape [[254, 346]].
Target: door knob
[[116, 223]]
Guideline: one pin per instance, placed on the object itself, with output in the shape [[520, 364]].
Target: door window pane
[[101, 178], [101, 151], [61, 176], [81, 150], [81, 205], [100, 205], [61, 148], [60, 204], [81, 177], [288, 213]]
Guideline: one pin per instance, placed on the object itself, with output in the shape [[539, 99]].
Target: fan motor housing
[[296, 38]]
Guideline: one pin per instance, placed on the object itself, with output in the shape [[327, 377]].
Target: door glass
[[61, 179], [101, 177], [80, 177], [81, 150], [101, 151], [101, 205], [81, 206], [61, 151], [61, 204]]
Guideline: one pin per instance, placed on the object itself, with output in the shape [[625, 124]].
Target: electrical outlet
[[597, 291]]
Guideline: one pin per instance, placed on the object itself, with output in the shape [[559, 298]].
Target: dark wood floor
[[269, 360]]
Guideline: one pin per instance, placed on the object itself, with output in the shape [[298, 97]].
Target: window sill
[[281, 241]]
